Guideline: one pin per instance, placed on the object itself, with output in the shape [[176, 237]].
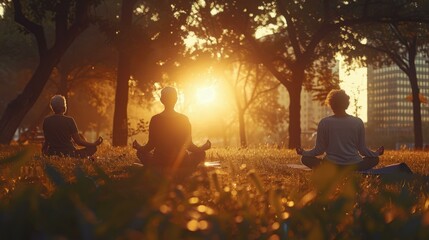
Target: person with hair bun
[[342, 137]]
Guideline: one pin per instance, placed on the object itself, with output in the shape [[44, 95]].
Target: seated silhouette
[[59, 130], [341, 137], [170, 147]]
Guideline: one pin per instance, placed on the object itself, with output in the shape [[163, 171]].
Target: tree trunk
[[49, 58], [242, 129], [412, 76], [295, 115], [120, 119], [417, 116], [19, 107]]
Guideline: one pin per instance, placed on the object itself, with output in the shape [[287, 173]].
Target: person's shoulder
[[65, 118], [182, 116], [176, 115], [68, 117], [158, 115], [47, 118], [185, 118], [327, 119], [355, 119], [58, 117]]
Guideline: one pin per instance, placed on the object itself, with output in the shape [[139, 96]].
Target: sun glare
[[354, 83], [206, 95]]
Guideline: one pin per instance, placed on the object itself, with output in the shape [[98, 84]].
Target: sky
[[354, 83]]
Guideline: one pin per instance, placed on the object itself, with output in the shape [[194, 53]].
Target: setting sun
[[205, 95]]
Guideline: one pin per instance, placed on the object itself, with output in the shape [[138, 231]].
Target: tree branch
[[263, 92], [398, 34], [246, 80], [399, 62], [267, 63], [35, 29], [81, 20], [61, 19], [293, 36]]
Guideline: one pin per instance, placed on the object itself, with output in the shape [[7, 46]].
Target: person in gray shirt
[[342, 137]]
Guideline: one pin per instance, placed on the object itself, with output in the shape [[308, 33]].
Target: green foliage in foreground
[[252, 196]]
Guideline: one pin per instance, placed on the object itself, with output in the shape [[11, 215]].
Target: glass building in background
[[312, 112], [390, 110]]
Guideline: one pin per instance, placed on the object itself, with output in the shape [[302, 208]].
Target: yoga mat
[[389, 169], [396, 168]]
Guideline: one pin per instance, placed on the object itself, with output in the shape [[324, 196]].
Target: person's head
[[58, 104], [169, 97], [338, 100]]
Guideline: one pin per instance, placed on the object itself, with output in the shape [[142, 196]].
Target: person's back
[[169, 132], [58, 130], [170, 139], [342, 137], [345, 139]]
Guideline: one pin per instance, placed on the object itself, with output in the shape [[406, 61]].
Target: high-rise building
[[390, 111], [311, 113]]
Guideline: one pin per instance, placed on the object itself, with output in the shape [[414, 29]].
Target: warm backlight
[[206, 95]]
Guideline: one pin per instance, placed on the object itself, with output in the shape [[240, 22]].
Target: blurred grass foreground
[[252, 195]]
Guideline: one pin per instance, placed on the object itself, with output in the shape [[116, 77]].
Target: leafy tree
[[120, 120], [70, 19], [149, 45], [17, 57], [301, 37], [394, 43], [78, 75], [250, 84]]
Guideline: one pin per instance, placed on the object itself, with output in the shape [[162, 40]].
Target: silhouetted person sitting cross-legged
[[342, 137], [59, 130], [170, 139]]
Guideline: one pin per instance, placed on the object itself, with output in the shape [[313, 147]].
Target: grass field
[[253, 195]]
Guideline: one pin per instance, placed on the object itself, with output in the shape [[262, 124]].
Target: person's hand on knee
[[380, 151], [206, 145], [136, 145], [99, 141], [299, 150]]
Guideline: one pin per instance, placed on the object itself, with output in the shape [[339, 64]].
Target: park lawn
[[253, 195]]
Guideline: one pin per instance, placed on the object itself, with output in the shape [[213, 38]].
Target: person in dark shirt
[[170, 139], [59, 130]]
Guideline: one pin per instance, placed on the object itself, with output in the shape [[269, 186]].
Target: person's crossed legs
[[84, 152], [365, 164], [77, 153], [189, 161], [311, 162]]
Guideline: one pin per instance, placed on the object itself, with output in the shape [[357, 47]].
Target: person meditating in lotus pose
[[342, 137], [59, 130], [170, 139]]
